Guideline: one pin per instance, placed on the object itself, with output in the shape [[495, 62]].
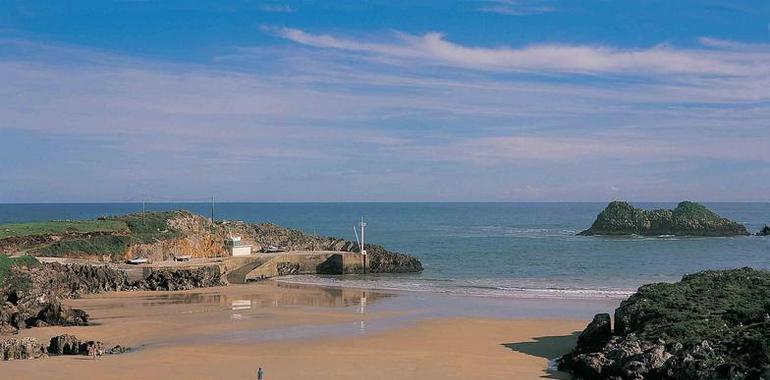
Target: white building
[[236, 247]]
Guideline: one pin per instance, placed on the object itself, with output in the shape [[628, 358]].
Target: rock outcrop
[[31, 348], [765, 231], [711, 325], [70, 345], [21, 349], [181, 279], [31, 296], [687, 219], [380, 260]]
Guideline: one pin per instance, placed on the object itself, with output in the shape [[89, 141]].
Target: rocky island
[[687, 219], [711, 325]]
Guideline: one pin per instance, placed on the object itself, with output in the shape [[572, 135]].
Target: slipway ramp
[[262, 266]]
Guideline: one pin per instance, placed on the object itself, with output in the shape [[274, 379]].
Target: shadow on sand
[[548, 347]]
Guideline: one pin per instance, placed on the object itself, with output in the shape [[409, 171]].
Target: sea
[[482, 249]]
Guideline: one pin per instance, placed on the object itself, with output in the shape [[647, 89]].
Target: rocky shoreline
[[711, 325], [31, 348], [31, 295]]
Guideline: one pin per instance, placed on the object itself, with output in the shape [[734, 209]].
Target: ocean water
[[485, 249]]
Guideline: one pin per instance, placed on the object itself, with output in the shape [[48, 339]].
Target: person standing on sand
[[260, 374]]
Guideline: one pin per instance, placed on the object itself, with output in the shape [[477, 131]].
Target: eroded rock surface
[[711, 325], [181, 279], [21, 349]]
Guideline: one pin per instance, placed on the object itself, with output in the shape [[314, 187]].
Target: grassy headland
[[61, 227]]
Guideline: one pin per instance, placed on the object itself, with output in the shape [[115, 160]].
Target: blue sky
[[500, 100]]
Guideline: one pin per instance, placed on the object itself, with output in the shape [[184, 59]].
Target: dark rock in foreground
[[70, 345], [597, 333], [711, 325], [21, 349], [30, 296], [765, 231], [31, 348], [687, 219]]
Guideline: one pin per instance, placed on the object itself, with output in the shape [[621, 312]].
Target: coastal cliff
[[160, 236], [711, 325], [687, 219]]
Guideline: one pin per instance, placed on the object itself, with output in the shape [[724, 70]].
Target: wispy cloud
[[334, 102], [434, 48], [516, 7], [277, 8]]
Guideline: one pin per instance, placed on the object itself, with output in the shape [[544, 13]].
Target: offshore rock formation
[[687, 219], [711, 325], [765, 231]]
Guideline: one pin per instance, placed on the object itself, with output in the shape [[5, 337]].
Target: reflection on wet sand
[[311, 296]]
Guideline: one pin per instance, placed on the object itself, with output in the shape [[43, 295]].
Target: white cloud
[[321, 108], [434, 48]]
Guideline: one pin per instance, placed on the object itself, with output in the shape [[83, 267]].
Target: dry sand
[[295, 333]]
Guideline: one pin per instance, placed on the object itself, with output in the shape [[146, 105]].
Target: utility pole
[[363, 250], [212, 210]]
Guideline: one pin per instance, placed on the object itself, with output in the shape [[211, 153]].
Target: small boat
[[137, 261], [273, 249]]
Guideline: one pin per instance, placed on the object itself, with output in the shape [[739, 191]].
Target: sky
[[477, 100]]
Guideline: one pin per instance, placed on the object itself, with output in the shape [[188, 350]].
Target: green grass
[[61, 227], [111, 235], [6, 263], [113, 245], [150, 227]]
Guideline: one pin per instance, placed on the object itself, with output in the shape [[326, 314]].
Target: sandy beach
[[301, 332]]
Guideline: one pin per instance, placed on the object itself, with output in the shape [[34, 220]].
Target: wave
[[493, 231], [458, 287]]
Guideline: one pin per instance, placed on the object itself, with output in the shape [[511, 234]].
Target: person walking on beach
[[260, 374]]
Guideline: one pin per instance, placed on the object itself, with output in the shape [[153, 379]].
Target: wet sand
[[301, 332]]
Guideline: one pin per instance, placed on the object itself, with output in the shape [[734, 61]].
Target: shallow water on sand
[[363, 311]]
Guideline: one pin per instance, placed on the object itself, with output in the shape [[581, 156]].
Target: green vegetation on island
[[687, 219]]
